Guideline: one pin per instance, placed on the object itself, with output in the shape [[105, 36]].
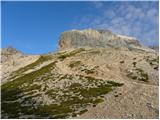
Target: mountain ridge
[[83, 81], [96, 38]]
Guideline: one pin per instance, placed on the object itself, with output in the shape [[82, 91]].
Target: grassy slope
[[15, 103]]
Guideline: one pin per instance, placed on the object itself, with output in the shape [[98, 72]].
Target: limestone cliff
[[95, 38]]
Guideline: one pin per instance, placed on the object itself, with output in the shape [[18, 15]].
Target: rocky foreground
[[95, 74]]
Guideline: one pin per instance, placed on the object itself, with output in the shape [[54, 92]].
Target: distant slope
[[12, 59]]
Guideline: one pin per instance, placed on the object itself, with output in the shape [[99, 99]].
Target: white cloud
[[109, 13], [140, 21], [151, 12], [128, 16]]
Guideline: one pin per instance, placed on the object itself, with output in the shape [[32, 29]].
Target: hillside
[[95, 74]]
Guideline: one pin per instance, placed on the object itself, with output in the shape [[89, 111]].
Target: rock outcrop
[[95, 38], [9, 53]]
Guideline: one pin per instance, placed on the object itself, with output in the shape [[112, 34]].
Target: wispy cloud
[[98, 4], [138, 19]]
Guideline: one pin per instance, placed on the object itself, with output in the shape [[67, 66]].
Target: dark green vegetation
[[69, 54], [27, 78], [122, 61], [138, 74], [88, 71], [154, 62], [134, 64], [41, 59], [81, 95], [114, 83], [74, 64]]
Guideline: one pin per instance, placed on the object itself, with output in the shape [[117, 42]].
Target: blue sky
[[35, 27]]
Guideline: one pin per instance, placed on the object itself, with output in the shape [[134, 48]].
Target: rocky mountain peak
[[95, 38], [9, 51]]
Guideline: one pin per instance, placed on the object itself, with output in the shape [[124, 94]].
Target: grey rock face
[[95, 38], [9, 50], [10, 53]]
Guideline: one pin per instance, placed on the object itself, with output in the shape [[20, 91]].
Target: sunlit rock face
[[9, 53], [95, 38]]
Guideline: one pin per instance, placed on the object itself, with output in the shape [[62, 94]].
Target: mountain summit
[[9, 51], [96, 39]]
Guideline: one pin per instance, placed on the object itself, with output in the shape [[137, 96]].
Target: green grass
[[115, 83], [82, 111], [93, 92], [10, 91], [66, 76], [27, 78], [32, 87], [92, 80], [153, 61], [50, 92], [94, 52], [54, 111], [12, 110], [31, 66], [143, 75], [74, 64], [75, 85], [68, 105], [139, 75], [98, 100], [88, 71], [69, 54]]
